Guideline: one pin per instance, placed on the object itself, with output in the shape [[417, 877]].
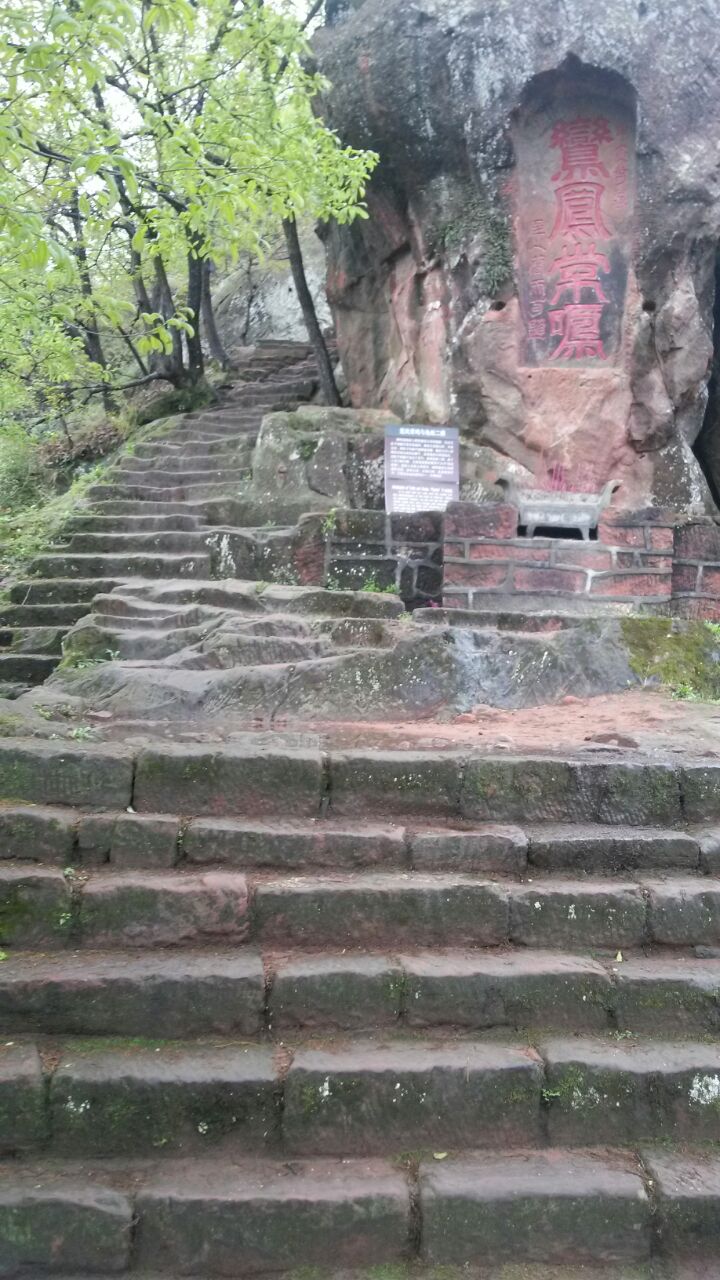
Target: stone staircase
[[281, 1000], [150, 518]]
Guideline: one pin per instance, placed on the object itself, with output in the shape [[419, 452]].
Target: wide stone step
[[246, 777], [566, 1210], [115, 1098], [27, 668], [133, 564], [106, 506], [198, 455]]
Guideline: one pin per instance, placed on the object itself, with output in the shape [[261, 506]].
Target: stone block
[[23, 1123], [697, 542], [51, 1223], [701, 792], [577, 914], [374, 1099], [611, 851], [588, 556], [152, 994], [381, 909], [544, 1208], [687, 1191], [35, 907], [339, 847], [397, 782], [709, 842], [346, 991], [230, 780], [489, 520], [685, 578], [510, 989], [492, 848], [684, 912], [37, 834], [161, 1099], [140, 841], [601, 1093], [659, 996], [49, 773], [204, 1221], [145, 910]]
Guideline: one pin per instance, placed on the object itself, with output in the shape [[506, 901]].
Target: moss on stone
[[682, 656]]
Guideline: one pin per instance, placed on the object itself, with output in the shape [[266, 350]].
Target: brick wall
[[631, 562], [696, 570]]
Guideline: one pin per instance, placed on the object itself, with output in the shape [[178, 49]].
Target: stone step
[[157, 477], [138, 644], [33, 640], [102, 524], [43, 616], [198, 454], [55, 591], [132, 541], [174, 494], [99, 1220], [57, 565], [244, 778], [604, 1214], [434, 909], [356, 909], [27, 668], [107, 507]]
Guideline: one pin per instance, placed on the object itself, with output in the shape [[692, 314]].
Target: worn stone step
[[56, 591], [175, 494], [146, 994], [44, 616], [543, 1207], [195, 565], [197, 455], [27, 668], [37, 640], [132, 541], [133, 644]]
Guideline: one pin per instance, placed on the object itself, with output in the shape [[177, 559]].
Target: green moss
[[15, 911], [682, 656], [476, 216]]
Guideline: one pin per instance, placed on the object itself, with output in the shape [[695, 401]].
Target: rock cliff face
[[539, 265]]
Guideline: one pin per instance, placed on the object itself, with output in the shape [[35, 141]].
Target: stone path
[[152, 517], [265, 1001], [307, 997]]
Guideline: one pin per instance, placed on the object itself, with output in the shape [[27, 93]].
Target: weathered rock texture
[[433, 295], [258, 300]]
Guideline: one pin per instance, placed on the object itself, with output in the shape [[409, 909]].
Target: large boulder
[[480, 113]]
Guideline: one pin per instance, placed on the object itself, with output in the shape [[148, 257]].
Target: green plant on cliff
[[477, 217], [682, 656]]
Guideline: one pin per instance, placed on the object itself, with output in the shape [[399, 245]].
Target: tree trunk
[[317, 341], [91, 334], [214, 341], [196, 362], [174, 365]]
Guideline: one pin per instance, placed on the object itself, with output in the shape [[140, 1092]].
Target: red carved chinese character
[[537, 329], [579, 267], [578, 327], [537, 308], [579, 142], [579, 212]]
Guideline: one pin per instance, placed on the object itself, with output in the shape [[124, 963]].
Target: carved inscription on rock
[[573, 218]]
